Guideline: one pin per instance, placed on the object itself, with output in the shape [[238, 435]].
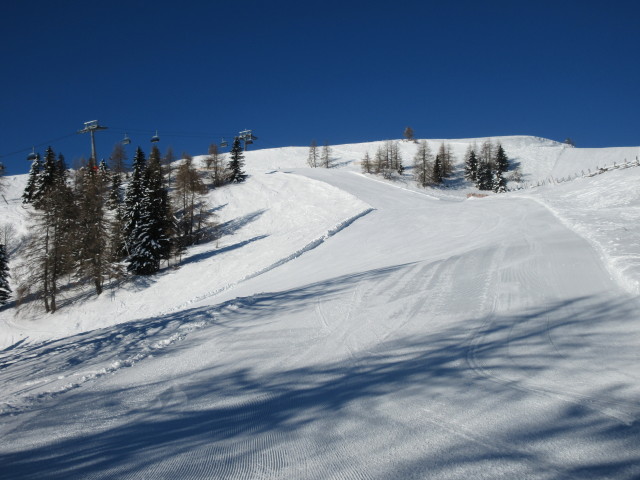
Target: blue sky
[[343, 72]]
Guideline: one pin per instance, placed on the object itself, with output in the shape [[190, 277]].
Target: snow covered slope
[[408, 334]]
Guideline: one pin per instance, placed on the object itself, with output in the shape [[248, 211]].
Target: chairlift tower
[[91, 127], [247, 137]]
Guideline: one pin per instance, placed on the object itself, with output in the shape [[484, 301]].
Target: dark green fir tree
[[236, 163], [5, 289]]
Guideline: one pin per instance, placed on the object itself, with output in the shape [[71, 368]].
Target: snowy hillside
[[349, 327]]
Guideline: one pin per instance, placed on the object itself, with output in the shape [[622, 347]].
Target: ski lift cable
[[169, 133], [123, 131], [48, 142]]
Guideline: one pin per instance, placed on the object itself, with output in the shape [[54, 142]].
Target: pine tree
[[422, 164], [54, 236], [48, 177], [471, 165], [485, 176], [499, 184], [366, 163], [438, 173], [149, 242], [32, 180], [159, 204], [236, 163], [5, 289], [312, 159], [501, 161], [325, 156], [133, 198]]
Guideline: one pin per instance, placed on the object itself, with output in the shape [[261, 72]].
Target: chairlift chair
[[224, 143], [126, 140], [33, 155], [155, 138]]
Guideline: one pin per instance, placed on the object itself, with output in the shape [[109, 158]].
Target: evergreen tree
[[236, 162], [115, 192], [133, 198], [61, 166], [422, 164], [54, 235], [312, 159], [366, 164], [438, 171], [146, 252], [471, 165], [32, 180], [149, 241], [159, 204], [485, 176], [48, 177], [501, 161], [5, 289], [499, 184]]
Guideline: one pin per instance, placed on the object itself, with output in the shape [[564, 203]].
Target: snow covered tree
[[325, 156], [471, 164], [149, 241], [5, 289], [366, 165], [437, 176], [51, 249], [312, 158], [133, 198], [408, 134], [236, 163], [485, 176], [423, 164], [32, 180], [501, 161], [499, 184], [47, 178]]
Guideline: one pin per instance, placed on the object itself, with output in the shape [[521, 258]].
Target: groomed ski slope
[[429, 338]]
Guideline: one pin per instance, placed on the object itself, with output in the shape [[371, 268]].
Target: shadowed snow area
[[401, 334]]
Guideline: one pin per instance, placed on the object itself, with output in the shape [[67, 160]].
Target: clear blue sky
[[340, 71]]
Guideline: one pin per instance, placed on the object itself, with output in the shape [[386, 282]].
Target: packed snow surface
[[351, 328]]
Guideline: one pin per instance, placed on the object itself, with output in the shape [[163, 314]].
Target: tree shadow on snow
[[224, 421]]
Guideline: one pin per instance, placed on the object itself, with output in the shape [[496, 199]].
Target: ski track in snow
[[431, 339]]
